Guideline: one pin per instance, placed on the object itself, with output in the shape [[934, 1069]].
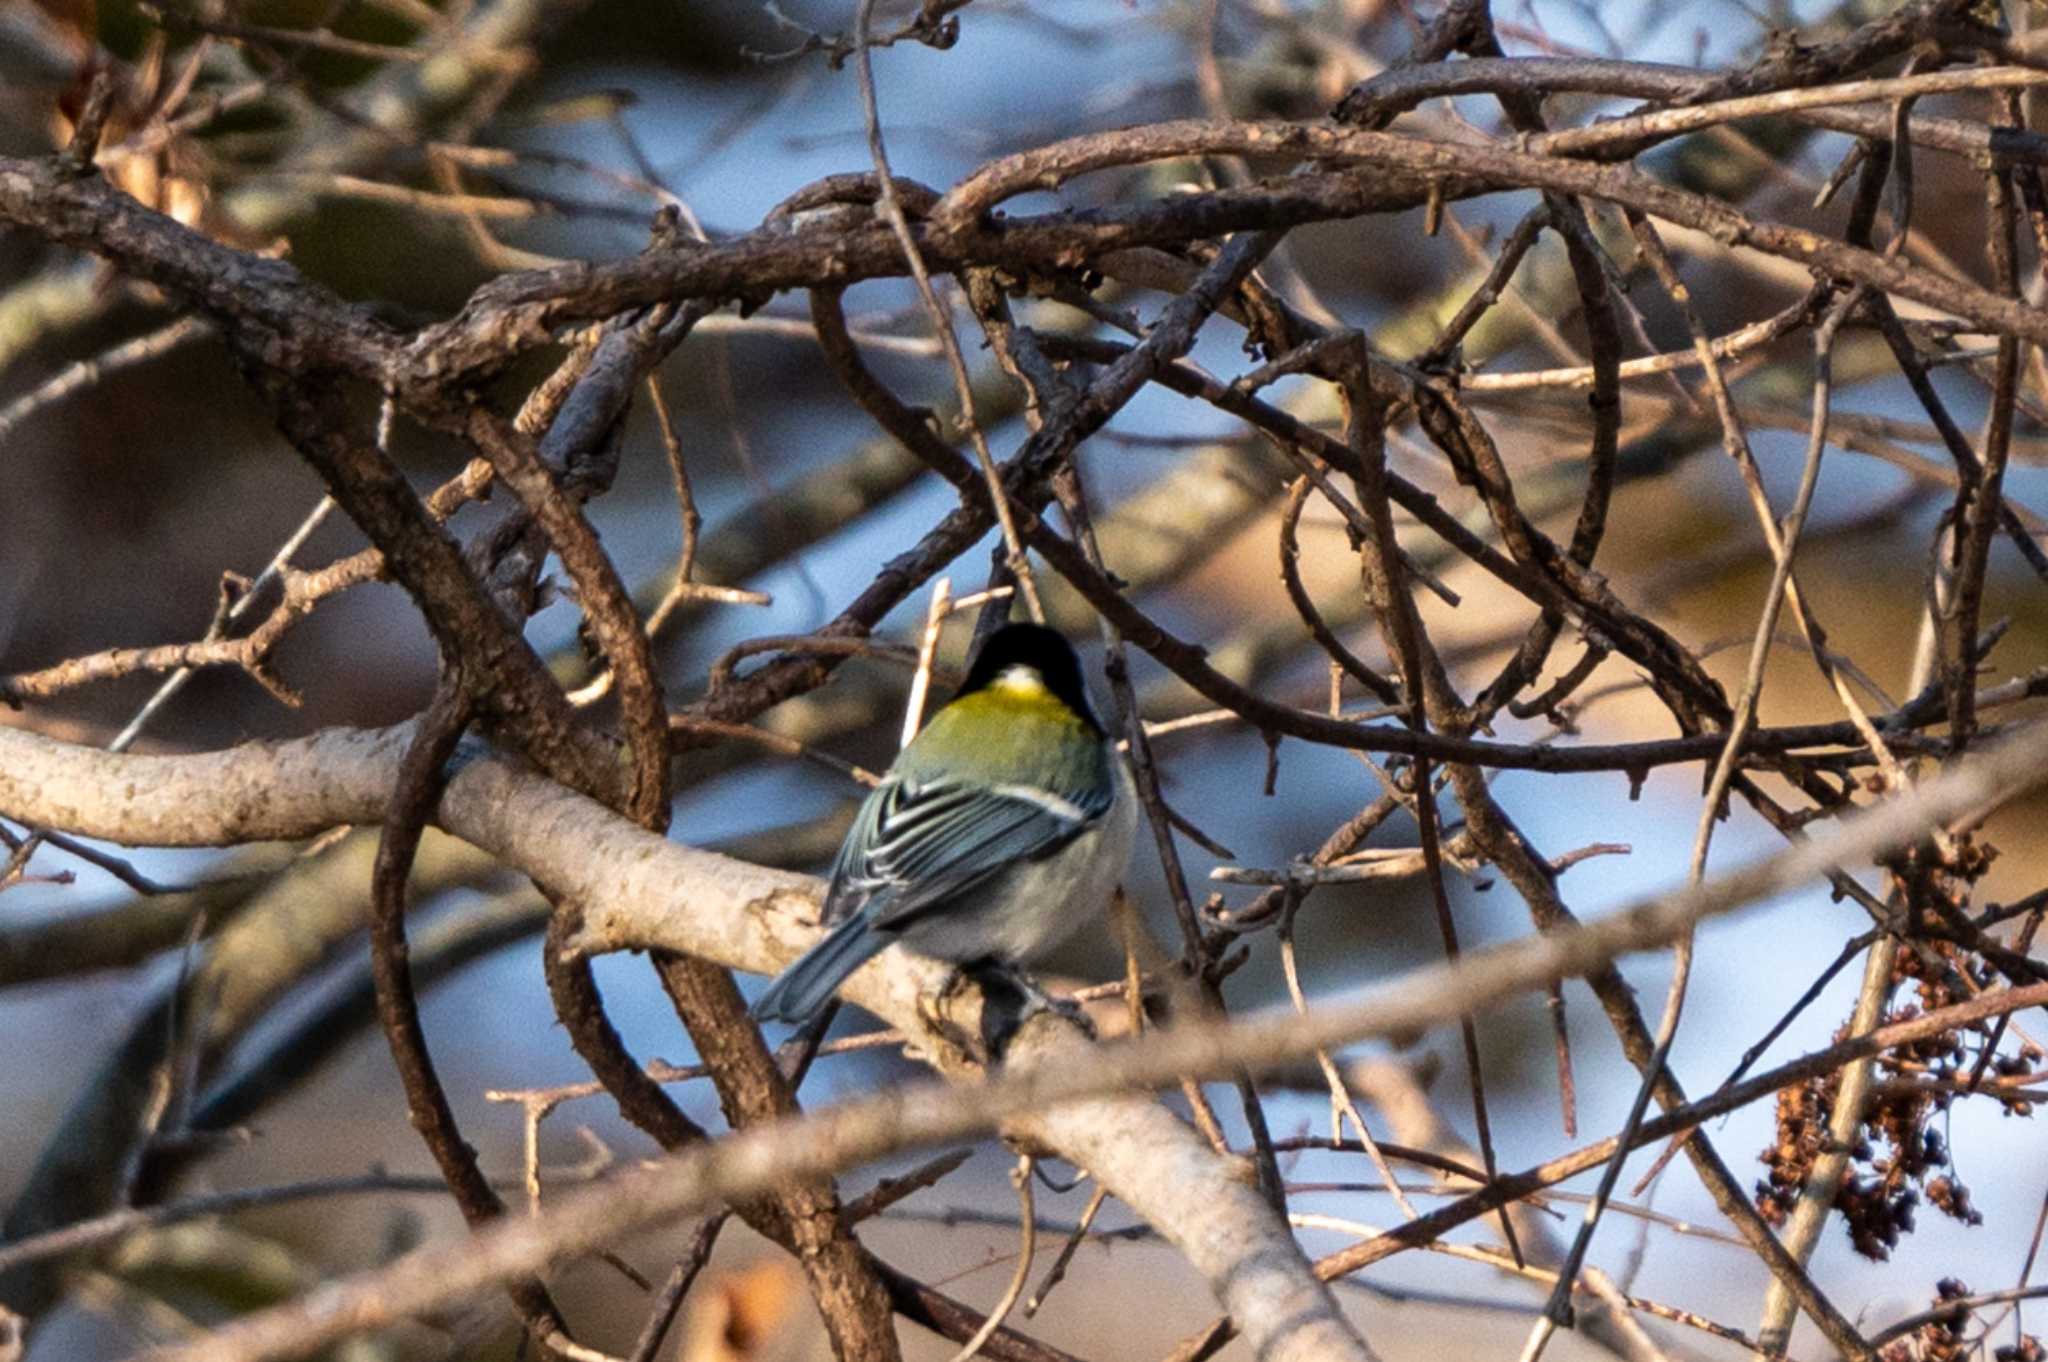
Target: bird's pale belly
[[1034, 905]]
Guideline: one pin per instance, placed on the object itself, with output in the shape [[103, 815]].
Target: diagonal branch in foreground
[[654, 893], [754, 919]]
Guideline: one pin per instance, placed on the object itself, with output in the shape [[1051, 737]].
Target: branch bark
[[646, 892]]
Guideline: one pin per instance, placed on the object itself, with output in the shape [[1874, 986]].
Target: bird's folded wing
[[918, 846]]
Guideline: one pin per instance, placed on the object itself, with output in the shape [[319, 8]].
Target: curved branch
[[640, 886], [300, 326], [650, 892]]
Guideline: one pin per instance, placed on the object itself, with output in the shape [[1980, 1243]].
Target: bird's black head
[[1039, 651]]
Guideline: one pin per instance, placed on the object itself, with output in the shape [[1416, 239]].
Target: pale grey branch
[[648, 892]]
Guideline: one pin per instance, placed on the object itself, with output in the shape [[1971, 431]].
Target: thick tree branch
[[653, 893]]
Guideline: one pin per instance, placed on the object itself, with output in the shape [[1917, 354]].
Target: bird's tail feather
[[808, 984]]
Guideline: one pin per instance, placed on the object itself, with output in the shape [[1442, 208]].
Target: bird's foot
[[1010, 998], [1038, 1000]]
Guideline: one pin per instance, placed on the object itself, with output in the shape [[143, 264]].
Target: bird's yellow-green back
[[1017, 730]]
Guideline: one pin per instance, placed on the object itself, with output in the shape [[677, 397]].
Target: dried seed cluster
[[1900, 1155], [1948, 1336]]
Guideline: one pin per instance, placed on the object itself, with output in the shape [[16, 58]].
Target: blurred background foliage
[[127, 500]]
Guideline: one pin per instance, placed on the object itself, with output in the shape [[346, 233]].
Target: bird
[[1001, 829]]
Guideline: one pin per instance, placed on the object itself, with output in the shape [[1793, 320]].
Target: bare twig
[[1027, 1226]]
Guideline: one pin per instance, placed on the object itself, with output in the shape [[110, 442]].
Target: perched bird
[[1002, 828]]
